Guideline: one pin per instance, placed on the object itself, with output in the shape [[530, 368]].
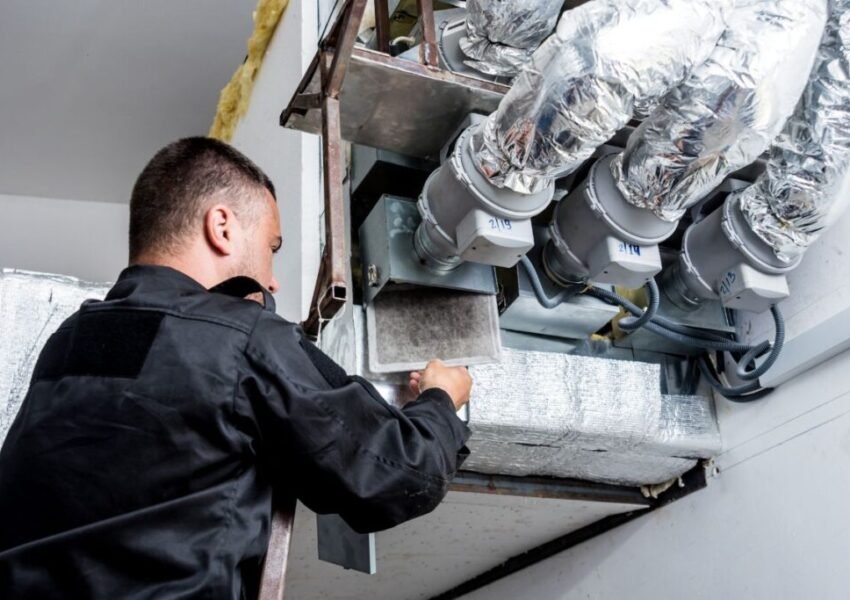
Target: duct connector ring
[[465, 217], [597, 235], [723, 259]]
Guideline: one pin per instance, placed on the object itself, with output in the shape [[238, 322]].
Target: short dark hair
[[170, 194]]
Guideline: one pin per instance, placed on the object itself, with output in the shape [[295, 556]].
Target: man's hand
[[455, 381]]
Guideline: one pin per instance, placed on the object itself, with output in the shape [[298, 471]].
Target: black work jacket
[[159, 422]]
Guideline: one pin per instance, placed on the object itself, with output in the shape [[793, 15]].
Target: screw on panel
[[372, 275]]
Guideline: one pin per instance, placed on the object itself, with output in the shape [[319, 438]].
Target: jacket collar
[[152, 277], [157, 278]]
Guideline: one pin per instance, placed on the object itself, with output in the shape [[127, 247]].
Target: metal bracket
[[332, 61]]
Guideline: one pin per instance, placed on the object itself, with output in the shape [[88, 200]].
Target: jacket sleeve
[[337, 444]]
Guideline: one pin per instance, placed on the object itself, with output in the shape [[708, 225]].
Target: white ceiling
[[90, 89], [466, 535]]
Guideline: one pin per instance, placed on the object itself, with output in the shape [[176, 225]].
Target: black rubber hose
[[544, 300], [630, 324], [691, 331], [660, 326], [743, 371], [747, 392]]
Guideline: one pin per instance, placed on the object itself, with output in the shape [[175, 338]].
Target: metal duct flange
[[722, 258], [465, 217], [451, 30], [597, 235]]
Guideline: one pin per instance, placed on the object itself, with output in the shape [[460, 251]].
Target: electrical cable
[[743, 371], [630, 324], [676, 332], [544, 300], [661, 326], [746, 392]]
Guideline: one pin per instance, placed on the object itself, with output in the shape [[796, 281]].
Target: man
[[160, 421]]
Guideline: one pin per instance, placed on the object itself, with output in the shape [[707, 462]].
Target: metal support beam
[[544, 487], [428, 49], [692, 481], [331, 288], [335, 75], [273, 578], [382, 25]]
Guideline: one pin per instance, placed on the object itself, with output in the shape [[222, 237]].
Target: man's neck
[[194, 269]]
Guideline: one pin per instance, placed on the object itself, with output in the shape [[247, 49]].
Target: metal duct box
[[386, 241], [575, 318], [538, 413]]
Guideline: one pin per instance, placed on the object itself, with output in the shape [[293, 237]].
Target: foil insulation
[[807, 181], [558, 415], [584, 83], [501, 35], [32, 306], [727, 112], [590, 418]]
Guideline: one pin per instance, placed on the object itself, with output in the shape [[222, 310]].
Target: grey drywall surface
[[87, 240], [775, 523]]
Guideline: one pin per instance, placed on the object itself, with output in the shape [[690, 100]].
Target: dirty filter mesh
[[407, 329]]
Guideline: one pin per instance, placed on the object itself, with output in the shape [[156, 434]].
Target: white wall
[[775, 523], [82, 239], [89, 239], [290, 158]]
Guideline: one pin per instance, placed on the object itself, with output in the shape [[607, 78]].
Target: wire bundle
[[650, 320]]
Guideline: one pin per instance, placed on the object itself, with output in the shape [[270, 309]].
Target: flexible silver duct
[[728, 110], [583, 84], [501, 35], [807, 181]]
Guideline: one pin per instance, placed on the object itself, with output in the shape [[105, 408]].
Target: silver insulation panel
[[553, 414], [807, 182], [607, 59], [32, 306], [501, 35], [590, 418], [727, 111]]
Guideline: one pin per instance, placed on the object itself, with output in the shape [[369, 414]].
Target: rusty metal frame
[[273, 578], [331, 290], [382, 25]]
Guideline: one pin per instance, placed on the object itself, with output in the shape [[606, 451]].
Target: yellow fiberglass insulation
[[236, 95]]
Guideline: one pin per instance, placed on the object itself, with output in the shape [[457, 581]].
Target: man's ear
[[219, 223]]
